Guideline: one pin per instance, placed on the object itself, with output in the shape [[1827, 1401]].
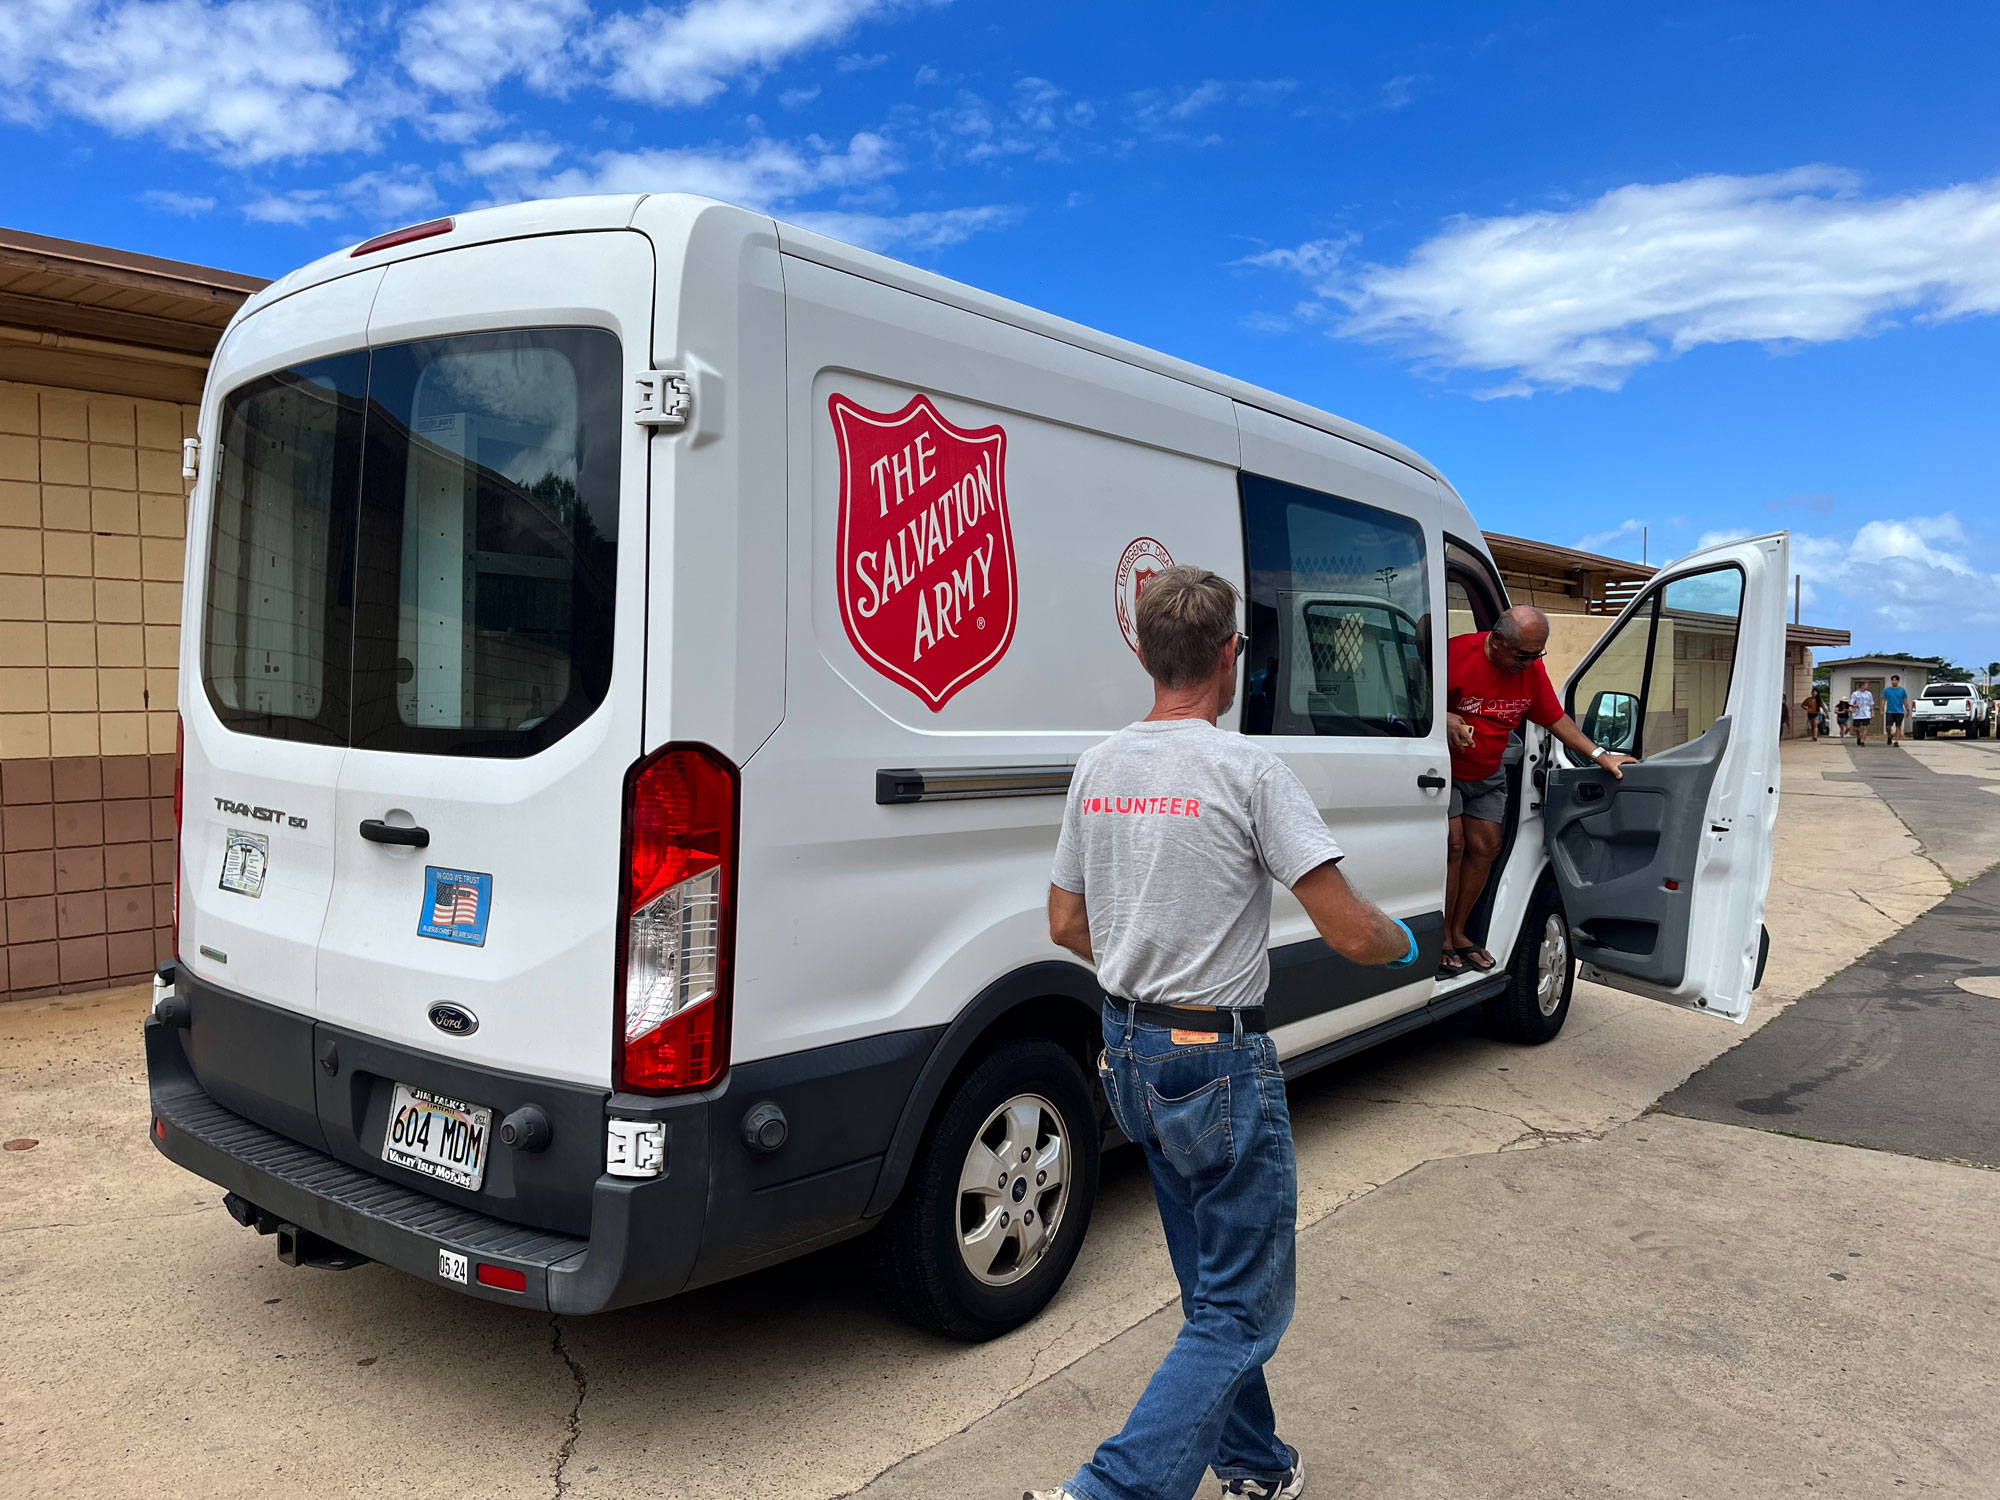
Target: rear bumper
[[406, 1228], [719, 1208]]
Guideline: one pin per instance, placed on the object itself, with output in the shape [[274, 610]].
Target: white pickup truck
[[1950, 705]]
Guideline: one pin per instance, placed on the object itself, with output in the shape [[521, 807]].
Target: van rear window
[[275, 652], [414, 547]]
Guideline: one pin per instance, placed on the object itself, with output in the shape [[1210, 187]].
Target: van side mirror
[[1612, 720]]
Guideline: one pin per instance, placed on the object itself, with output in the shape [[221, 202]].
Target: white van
[[635, 654]]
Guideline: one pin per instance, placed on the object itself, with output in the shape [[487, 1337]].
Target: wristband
[[1408, 958]]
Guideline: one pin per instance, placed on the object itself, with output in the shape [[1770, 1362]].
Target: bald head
[[1518, 638]]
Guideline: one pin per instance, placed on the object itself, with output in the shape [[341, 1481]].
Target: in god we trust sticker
[[926, 561]]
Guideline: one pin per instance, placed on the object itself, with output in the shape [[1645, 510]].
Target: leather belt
[[1190, 1017]]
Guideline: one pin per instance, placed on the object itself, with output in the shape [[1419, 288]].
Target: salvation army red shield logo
[[926, 565]]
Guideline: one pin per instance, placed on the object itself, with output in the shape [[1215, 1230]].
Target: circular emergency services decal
[[1143, 560]]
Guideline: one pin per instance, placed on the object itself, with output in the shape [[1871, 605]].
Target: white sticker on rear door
[[244, 859], [451, 1266]]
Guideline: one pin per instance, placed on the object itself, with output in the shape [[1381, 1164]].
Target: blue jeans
[[1212, 1120]]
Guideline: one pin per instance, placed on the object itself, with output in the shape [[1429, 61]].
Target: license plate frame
[[436, 1136]]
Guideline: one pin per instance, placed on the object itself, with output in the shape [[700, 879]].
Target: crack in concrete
[[1871, 905], [575, 1425], [179, 1213]]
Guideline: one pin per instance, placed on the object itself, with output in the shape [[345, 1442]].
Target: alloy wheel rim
[[1551, 964], [1012, 1190]]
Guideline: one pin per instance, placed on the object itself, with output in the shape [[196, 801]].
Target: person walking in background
[[1861, 709], [1894, 701], [1172, 836], [1815, 714], [1840, 712]]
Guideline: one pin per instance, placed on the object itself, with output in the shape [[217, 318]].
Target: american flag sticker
[[456, 905]]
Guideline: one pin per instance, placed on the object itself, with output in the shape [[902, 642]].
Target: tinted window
[[489, 524], [1661, 678], [428, 566], [274, 656], [1339, 613]]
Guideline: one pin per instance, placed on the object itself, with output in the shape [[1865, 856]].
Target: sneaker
[[1058, 1493], [1293, 1486]]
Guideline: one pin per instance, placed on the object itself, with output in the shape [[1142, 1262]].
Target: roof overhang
[[99, 319]]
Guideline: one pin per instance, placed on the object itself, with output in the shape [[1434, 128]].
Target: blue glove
[[1408, 958]]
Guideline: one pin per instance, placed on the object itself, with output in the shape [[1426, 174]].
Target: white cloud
[[1904, 583], [689, 55], [463, 48], [511, 159], [1401, 91], [1167, 112], [190, 205], [915, 231], [1624, 531], [398, 196], [855, 62], [246, 80], [798, 98], [1586, 296], [759, 175]]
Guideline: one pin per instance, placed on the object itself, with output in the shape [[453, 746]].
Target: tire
[[922, 1265], [1540, 976]]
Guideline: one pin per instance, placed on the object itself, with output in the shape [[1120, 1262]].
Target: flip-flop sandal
[[1471, 957], [1450, 965]]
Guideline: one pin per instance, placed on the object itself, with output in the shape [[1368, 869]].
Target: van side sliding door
[[1664, 872], [1345, 572]]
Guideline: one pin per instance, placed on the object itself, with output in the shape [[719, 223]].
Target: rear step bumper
[[310, 1191]]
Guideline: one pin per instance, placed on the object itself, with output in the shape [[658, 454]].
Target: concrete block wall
[[93, 523]]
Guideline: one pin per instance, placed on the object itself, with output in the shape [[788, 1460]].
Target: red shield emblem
[[926, 561]]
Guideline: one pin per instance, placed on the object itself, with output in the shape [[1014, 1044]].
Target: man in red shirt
[[1494, 680]]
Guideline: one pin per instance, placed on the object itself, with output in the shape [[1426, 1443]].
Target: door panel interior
[[1625, 854]]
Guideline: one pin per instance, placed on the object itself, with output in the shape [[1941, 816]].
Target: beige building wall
[[93, 520]]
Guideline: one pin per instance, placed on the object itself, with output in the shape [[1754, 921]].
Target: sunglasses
[[1242, 645], [1524, 657]]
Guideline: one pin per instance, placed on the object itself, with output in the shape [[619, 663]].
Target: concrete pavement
[[154, 1347]]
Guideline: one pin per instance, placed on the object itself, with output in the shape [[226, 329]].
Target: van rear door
[[1664, 872], [499, 611], [264, 668]]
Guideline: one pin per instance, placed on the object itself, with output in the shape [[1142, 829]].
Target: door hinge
[[665, 399], [191, 458]]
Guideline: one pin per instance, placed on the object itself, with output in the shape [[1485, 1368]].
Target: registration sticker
[[456, 906], [451, 1266], [244, 859]]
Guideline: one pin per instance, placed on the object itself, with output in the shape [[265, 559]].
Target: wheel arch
[[1053, 999]]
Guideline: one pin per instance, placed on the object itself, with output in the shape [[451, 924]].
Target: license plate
[[439, 1136]]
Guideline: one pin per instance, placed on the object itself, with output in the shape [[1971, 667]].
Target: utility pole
[[1645, 546], [1795, 597]]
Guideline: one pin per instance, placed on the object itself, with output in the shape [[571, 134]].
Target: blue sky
[[1702, 270]]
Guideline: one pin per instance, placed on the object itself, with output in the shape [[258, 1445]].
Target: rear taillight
[[180, 756], [676, 923]]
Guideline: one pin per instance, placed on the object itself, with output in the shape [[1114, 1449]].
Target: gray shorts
[[1485, 799]]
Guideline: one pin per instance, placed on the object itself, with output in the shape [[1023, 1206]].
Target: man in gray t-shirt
[[1174, 831]]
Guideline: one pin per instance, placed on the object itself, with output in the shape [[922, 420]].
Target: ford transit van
[[634, 657]]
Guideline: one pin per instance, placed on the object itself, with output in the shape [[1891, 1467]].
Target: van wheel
[[995, 1210], [1540, 976]]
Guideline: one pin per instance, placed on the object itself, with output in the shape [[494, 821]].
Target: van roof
[[621, 211]]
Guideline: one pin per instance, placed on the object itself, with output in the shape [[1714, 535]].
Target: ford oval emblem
[[453, 1020]]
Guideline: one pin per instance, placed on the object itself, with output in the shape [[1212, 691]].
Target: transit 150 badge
[[1143, 561], [926, 562]]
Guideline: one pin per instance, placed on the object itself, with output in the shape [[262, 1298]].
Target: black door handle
[[377, 832], [1431, 783], [1590, 791]]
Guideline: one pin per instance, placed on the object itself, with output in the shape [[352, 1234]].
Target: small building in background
[[1874, 672]]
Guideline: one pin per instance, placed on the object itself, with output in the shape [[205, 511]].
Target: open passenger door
[[1663, 874]]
